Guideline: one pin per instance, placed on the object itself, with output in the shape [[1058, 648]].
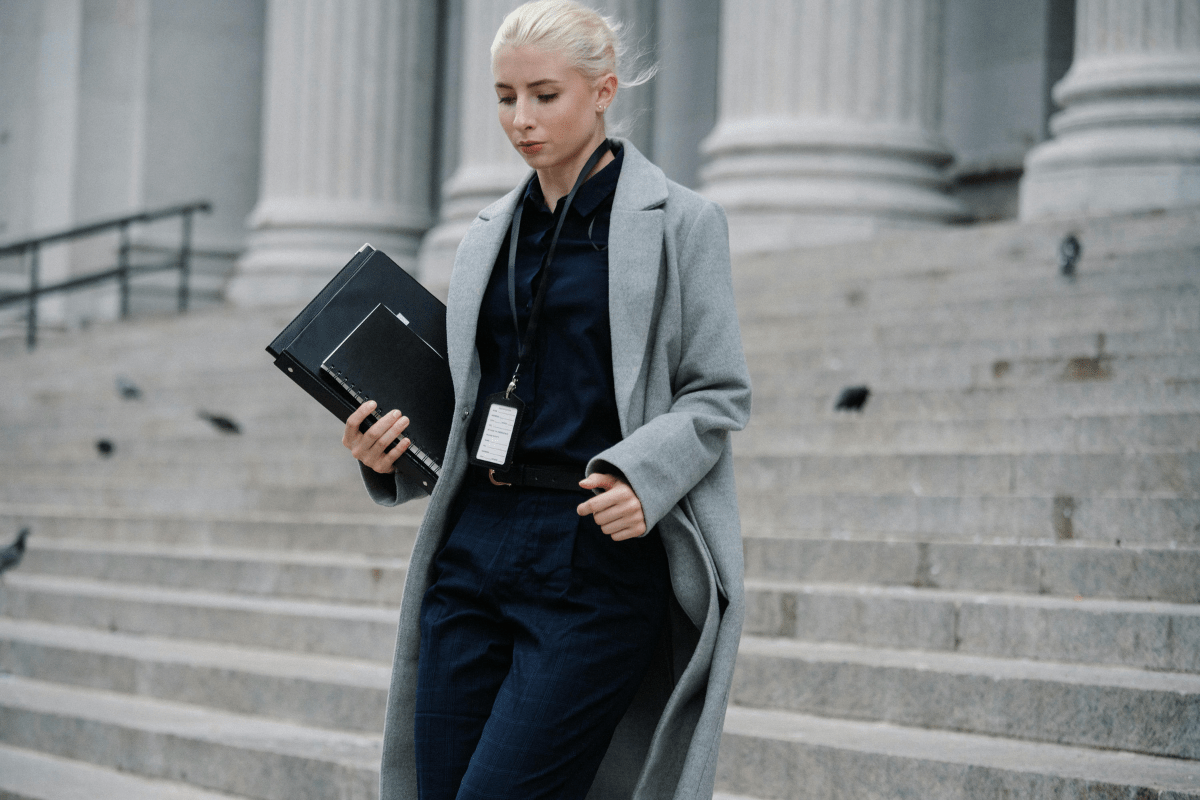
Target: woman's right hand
[[368, 447]]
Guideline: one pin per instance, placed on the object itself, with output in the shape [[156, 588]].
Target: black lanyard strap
[[524, 342]]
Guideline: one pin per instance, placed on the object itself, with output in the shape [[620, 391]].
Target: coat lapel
[[634, 271], [472, 267], [634, 265]]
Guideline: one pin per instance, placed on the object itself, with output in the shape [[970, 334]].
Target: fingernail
[[394, 414]]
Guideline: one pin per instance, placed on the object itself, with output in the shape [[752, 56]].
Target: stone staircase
[[200, 614], [986, 584]]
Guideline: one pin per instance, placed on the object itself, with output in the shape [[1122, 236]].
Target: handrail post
[[185, 255], [123, 269], [31, 317]]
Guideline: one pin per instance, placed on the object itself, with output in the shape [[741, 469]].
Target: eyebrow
[[541, 82]]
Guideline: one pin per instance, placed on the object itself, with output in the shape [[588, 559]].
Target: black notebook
[[369, 281], [419, 385]]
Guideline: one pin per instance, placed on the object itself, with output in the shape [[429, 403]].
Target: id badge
[[496, 438]]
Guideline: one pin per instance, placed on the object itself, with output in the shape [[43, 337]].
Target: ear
[[606, 89]]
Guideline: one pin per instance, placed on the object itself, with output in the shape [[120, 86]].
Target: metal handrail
[[121, 273]]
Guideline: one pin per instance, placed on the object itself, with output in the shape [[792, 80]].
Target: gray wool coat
[[681, 386]]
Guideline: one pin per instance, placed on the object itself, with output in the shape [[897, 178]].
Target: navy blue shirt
[[567, 380]]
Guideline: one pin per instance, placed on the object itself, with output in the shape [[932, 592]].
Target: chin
[[535, 160]]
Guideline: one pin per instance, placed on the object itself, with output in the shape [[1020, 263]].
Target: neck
[[557, 182]]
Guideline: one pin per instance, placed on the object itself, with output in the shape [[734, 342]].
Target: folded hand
[[617, 510]]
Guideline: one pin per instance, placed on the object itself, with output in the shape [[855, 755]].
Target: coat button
[[466, 413]]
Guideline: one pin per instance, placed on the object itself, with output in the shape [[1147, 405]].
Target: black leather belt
[[546, 477]]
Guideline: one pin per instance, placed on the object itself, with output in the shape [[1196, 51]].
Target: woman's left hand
[[617, 509]]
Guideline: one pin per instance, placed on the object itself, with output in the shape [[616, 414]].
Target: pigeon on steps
[[11, 555]]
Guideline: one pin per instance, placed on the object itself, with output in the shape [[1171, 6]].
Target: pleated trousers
[[535, 634]]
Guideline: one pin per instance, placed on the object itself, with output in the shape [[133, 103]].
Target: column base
[[772, 232], [1112, 171], [472, 189], [785, 184], [289, 267], [435, 259]]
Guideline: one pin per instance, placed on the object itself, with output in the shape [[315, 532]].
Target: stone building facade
[[315, 125]]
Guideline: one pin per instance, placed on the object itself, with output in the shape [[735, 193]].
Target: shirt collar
[[593, 192]]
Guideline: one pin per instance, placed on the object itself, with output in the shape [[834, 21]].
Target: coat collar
[[634, 262]]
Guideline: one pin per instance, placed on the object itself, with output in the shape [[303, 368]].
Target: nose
[[522, 118]]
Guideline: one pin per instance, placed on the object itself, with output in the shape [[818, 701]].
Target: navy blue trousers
[[535, 634]]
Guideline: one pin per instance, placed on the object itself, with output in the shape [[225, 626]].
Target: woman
[[573, 601]]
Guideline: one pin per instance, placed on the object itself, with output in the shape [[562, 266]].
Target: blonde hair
[[590, 41]]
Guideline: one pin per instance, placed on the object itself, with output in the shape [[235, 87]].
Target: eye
[[507, 101], [546, 98]]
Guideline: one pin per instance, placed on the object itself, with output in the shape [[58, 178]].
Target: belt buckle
[[492, 478]]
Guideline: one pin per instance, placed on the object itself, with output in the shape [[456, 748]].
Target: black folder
[[409, 355]]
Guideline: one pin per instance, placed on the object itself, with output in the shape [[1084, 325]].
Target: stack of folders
[[375, 333]]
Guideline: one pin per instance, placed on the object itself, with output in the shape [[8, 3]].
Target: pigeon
[[1069, 251], [223, 424], [852, 398], [128, 390], [11, 555], [105, 448]]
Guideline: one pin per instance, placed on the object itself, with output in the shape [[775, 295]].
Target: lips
[[530, 147]]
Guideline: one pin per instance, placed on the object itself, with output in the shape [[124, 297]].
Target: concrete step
[[992, 358], [1059, 569], [985, 362], [345, 630], [834, 433], [337, 577], [1045, 314], [858, 434], [267, 413], [1160, 475], [275, 451], [324, 691], [1112, 708], [882, 375], [1064, 400], [225, 752], [789, 756], [276, 458], [1138, 520], [840, 306], [840, 432], [995, 279], [213, 495], [386, 533], [1022, 247], [30, 775], [1137, 634], [207, 384], [1151, 317], [764, 342], [774, 375], [169, 469], [152, 337]]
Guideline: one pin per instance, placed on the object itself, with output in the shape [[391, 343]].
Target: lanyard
[[524, 342]]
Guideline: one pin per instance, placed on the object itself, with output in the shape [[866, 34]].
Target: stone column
[[1128, 137], [347, 140], [828, 121], [488, 166]]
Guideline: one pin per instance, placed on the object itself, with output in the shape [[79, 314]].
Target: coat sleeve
[[664, 458], [390, 490]]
